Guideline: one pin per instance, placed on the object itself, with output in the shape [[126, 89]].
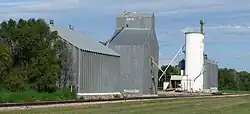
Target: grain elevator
[[134, 38]]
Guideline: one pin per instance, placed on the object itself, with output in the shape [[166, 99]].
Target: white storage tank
[[194, 60]]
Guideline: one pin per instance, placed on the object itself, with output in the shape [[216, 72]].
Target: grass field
[[233, 105], [31, 95]]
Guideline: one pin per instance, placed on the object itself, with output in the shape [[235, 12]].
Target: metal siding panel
[[82, 66], [102, 76], [81, 87], [98, 73], [210, 75], [85, 69], [74, 61], [78, 70], [76, 64], [106, 67], [94, 84], [103, 66], [215, 76], [97, 69], [89, 73], [146, 71], [86, 72], [130, 67], [206, 75], [108, 84], [91, 76], [154, 52]]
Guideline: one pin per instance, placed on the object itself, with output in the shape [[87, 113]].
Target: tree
[[172, 70], [33, 48], [5, 60], [66, 71]]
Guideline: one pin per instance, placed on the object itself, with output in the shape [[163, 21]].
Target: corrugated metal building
[[95, 68], [135, 40], [210, 75]]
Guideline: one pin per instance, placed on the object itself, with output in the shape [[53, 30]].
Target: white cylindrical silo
[[194, 60]]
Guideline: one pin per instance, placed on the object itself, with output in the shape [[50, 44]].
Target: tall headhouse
[[135, 40]]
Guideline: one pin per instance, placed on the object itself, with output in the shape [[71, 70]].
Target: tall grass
[[30, 96], [235, 91]]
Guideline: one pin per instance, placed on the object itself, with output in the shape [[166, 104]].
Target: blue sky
[[227, 22]]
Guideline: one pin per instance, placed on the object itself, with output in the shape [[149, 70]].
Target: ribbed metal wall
[[136, 66], [210, 77], [132, 63], [75, 60], [98, 73], [94, 72], [154, 49]]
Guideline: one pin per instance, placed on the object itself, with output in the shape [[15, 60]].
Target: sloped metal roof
[[130, 36], [83, 41]]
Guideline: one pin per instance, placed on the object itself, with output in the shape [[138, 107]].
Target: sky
[[227, 22]]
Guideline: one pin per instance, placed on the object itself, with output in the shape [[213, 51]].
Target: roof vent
[[71, 27], [51, 22], [205, 56]]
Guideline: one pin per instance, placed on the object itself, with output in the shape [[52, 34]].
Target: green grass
[[28, 96], [235, 91], [233, 105]]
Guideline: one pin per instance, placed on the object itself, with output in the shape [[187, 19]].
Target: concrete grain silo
[[135, 40], [201, 74], [194, 60]]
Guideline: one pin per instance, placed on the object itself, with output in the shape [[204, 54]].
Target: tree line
[[228, 79], [31, 56]]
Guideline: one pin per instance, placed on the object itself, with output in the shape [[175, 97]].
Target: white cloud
[[188, 29], [23, 15], [160, 7], [247, 54], [167, 7], [223, 27], [42, 4], [38, 7], [47, 5], [224, 34]]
